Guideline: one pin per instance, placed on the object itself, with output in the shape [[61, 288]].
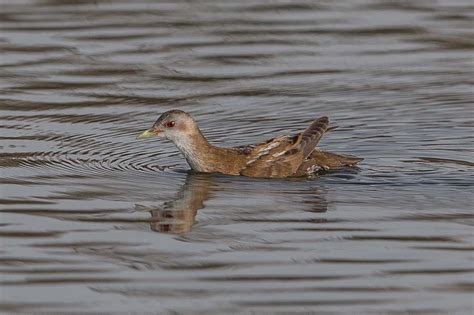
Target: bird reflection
[[177, 216]]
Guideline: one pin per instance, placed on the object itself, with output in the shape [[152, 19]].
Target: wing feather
[[282, 156], [276, 158]]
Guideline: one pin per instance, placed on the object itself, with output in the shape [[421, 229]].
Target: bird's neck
[[196, 149]]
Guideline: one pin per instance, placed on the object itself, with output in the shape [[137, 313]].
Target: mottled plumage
[[283, 156]]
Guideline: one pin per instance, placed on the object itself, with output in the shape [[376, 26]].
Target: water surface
[[94, 221]]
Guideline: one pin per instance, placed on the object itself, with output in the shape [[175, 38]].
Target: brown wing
[[277, 157], [282, 156]]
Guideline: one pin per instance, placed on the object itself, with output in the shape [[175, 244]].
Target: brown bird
[[283, 156]]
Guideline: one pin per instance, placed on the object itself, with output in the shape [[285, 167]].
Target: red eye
[[170, 124]]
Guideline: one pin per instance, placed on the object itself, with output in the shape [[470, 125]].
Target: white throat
[[190, 152]]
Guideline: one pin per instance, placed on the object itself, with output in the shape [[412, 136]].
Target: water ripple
[[108, 224]]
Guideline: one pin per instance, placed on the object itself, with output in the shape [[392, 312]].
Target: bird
[[280, 157]]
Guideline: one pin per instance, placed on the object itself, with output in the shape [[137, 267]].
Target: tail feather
[[313, 134], [331, 160]]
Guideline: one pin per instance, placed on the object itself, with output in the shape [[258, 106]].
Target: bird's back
[[284, 155]]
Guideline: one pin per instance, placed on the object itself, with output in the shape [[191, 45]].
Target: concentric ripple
[[91, 149]]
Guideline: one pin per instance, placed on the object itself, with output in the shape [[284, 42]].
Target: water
[[94, 221]]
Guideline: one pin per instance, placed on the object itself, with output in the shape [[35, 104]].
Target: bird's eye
[[170, 124]]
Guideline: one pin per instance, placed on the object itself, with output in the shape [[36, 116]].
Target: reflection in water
[[178, 215]]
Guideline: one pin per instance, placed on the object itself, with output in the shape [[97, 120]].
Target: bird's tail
[[331, 160]]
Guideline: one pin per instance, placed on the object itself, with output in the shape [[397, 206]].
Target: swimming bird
[[279, 157]]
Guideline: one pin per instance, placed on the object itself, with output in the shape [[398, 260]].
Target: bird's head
[[174, 125]]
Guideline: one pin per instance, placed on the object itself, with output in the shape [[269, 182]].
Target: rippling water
[[94, 221]]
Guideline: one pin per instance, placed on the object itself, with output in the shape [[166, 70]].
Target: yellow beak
[[148, 134]]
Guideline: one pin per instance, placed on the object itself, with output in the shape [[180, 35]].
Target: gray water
[[94, 221]]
